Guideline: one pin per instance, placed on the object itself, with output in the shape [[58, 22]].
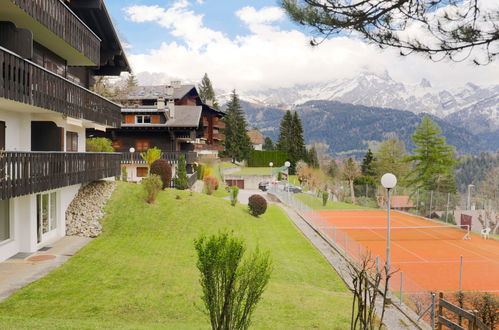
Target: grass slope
[[254, 171], [316, 203], [140, 273]]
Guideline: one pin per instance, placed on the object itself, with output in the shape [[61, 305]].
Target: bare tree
[[449, 29]]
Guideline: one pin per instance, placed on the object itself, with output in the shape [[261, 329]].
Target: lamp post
[[287, 164], [132, 150], [468, 204], [273, 181], [389, 181]]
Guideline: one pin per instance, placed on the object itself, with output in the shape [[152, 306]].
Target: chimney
[[161, 103], [169, 91], [171, 108], [176, 84]]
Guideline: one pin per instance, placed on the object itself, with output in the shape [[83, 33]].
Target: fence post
[[447, 212], [431, 201], [417, 201], [460, 273], [440, 296], [401, 285]]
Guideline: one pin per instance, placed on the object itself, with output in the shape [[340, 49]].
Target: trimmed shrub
[[257, 205], [234, 191], [207, 171], [152, 185], [325, 197], [162, 168], [124, 174], [211, 184], [260, 158], [181, 181]]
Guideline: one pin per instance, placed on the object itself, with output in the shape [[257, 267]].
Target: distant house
[[256, 138], [169, 117]]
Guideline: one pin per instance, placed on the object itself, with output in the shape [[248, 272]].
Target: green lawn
[[254, 171], [220, 192], [225, 165], [140, 273], [316, 203]]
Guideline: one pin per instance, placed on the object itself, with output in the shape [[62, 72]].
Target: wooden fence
[[473, 322]]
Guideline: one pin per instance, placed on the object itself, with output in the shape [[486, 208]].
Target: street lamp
[[132, 150], [389, 181], [468, 204]]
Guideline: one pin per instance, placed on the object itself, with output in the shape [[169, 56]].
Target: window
[[142, 172], [143, 119], [71, 141], [142, 145], [46, 213], [4, 220]]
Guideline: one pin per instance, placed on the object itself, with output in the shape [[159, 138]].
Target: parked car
[[263, 186], [293, 189]]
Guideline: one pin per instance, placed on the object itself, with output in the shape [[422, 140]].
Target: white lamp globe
[[271, 164], [389, 180], [132, 150], [287, 164]]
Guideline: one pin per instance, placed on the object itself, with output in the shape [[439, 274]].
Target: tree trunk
[[352, 192]]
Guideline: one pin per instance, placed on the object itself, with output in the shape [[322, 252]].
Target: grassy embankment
[[316, 203], [141, 274]]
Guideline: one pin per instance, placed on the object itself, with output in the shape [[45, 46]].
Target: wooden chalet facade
[[171, 118], [50, 52]]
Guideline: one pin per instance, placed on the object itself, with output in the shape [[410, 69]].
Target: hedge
[[259, 158]]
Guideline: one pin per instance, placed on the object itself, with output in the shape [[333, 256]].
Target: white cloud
[[268, 57]]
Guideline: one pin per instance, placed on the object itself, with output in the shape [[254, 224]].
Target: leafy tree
[[391, 158], [206, 91], [350, 173], [450, 29], [268, 144], [433, 159], [237, 142], [232, 285], [181, 181], [104, 87], [99, 145], [333, 169], [151, 155]]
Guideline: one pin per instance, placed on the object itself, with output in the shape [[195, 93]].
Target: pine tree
[[333, 169], [291, 139], [433, 159], [131, 81], [285, 132], [181, 181], [206, 91], [312, 159], [367, 166], [237, 142], [268, 144], [298, 142]]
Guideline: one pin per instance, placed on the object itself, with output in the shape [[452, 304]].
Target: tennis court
[[426, 252]]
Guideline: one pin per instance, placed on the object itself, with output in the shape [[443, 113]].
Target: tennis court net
[[415, 233]]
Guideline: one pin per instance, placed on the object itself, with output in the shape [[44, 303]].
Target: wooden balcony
[[218, 124], [26, 82], [218, 136], [25, 173], [170, 156], [208, 147], [56, 27]]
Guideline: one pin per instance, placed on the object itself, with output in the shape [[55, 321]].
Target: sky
[[252, 45]]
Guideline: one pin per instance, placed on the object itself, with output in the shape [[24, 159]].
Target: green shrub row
[[259, 158]]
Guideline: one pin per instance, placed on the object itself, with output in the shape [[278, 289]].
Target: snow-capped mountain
[[467, 106]]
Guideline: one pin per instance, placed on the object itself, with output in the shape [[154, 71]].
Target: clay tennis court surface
[[428, 257]]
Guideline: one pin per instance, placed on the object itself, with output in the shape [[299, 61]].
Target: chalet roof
[[153, 92], [401, 202], [255, 136], [185, 116]]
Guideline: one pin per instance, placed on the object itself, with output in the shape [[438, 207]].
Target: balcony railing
[[218, 136], [209, 147], [26, 82], [218, 124], [24, 173], [59, 19], [171, 156]]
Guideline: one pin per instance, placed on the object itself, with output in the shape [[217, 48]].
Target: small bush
[[207, 171], [200, 171], [162, 168], [279, 176], [99, 145], [181, 181], [325, 197], [257, 205], [234, 191], [211, 184], [124, 174], [152, 185], [178, 197]]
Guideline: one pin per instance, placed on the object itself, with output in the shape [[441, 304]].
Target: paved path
[[17, 273], [394, 318]]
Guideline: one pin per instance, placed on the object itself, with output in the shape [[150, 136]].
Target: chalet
[[50, 52], [171, 118], [256, 138]]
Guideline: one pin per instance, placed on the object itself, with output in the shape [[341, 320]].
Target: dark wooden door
[[237, 183], [71, 141], [2, 135]]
